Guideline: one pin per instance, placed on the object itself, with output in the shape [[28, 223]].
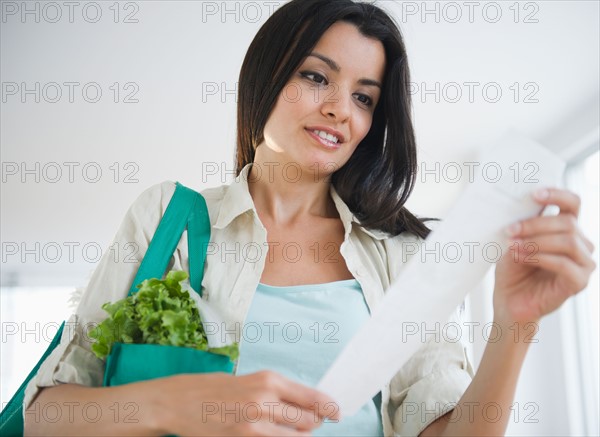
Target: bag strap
[[198, 228], [186, 208]]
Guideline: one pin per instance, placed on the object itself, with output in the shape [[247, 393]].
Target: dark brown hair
[[380, 175]]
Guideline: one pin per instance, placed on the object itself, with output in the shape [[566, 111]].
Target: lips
[[328, 130], [330, 145]]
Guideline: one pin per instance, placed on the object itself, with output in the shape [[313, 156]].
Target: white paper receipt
[[428, 290]]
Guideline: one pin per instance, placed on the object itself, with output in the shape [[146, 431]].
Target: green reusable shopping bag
[[129, 362], [187, 208]]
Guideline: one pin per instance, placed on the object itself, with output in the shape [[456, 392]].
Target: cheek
[[277, 118], [290, 105], [299, 102], [292, 93], [363, 125]]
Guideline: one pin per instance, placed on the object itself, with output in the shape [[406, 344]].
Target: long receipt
[[429, 288]]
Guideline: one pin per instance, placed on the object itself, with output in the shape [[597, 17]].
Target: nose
[[336, 103]]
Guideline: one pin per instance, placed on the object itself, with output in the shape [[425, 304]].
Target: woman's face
[[333, 92]]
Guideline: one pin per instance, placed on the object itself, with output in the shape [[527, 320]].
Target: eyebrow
[[335, 67]]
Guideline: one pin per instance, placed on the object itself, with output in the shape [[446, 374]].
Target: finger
[[321, 406], [547, 225], [308, 398], [273, 429], [267, 410], [543, 225], [557, 244], [573, 275], [588, 244], [263, 428], [291, 415], [567, 201]]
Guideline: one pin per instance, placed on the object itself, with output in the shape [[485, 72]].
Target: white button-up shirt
[[430, 382]]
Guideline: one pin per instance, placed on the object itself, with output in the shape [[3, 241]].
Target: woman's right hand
[[210, 404], [259, 404]]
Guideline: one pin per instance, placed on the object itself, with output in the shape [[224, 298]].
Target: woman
[[325, 161]]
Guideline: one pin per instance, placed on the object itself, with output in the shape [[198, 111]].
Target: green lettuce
[[161, 312]]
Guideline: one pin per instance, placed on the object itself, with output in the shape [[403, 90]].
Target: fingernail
[[513, 229], [542, 194]]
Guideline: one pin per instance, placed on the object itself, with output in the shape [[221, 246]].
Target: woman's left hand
[[549, 259]]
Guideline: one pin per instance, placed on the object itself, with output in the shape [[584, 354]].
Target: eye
[[314, 77], [364, 99]]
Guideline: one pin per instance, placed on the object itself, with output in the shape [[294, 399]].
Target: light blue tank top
[[298, 331]]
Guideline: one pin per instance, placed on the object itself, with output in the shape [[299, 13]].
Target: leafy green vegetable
[[159, 313]]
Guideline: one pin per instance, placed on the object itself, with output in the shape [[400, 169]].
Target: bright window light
[[30, 319]]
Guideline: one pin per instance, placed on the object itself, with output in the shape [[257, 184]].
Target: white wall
[[176, 54]]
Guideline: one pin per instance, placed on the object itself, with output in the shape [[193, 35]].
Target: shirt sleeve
[[434, 379], [72, 361]]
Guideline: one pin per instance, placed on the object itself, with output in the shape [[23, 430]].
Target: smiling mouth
[[327, 140]]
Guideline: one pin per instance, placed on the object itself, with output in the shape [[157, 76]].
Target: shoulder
[[153, 201], [155, 196], [144, 213], [214, 200]]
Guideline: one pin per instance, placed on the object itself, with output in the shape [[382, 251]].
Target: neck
[[285, 192]]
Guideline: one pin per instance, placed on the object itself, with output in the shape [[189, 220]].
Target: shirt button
[[360, 272]]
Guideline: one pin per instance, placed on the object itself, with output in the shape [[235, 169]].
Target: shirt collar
[[237, 201], [348, 217]]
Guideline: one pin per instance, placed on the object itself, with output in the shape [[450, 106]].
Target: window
[[31, 317], [558, 388], [581, 319]]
